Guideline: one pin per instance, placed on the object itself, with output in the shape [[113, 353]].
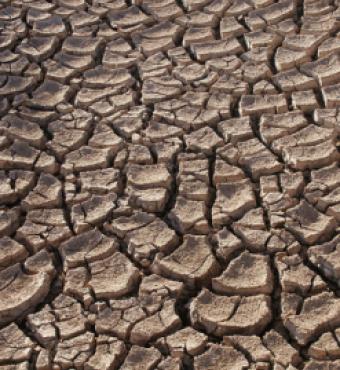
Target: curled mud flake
[[15, 345], [250, 345], [184, 341], [222, 315], [43, 227], [109, 354], [326, 347], [247, 274], [86, 158], [14, 127], [203, 140], [296, 277], [21, 292], [49, 94], [192, 262], [308, 224], [140, 358], [169, 184], [251, 229], [9, 220], [257, 105], [75, 351], [159, 285], [86, 248], [226, 357], [233, 200], [20, 155], [47, 193], [319, 313], [326, 258], [164, 322], [148, 186], [282, 352], [189, 216], [92, 212], [15, 185], [113, 277], [11, 252], [145, 242]]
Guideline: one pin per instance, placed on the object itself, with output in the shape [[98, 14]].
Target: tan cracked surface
[[169, 184]]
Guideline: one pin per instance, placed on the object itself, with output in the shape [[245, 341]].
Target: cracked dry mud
[[169, 184]]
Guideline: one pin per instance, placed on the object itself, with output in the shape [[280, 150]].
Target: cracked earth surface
[[169, 184]]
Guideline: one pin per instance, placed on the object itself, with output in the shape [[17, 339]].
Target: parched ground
[[169, 184]]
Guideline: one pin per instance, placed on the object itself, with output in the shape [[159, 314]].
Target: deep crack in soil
[[169, 184]]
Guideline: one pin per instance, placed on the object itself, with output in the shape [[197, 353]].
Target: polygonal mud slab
[[169, 185]]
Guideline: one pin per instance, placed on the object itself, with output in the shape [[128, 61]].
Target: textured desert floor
[[169, 184]]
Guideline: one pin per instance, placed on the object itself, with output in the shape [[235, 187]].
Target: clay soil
[[169, 184]]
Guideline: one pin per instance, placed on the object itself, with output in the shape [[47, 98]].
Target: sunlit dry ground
[[169, 185]]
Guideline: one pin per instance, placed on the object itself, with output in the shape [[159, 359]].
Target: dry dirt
[[169, 184]]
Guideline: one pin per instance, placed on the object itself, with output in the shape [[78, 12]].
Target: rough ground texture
[[169, 184]]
